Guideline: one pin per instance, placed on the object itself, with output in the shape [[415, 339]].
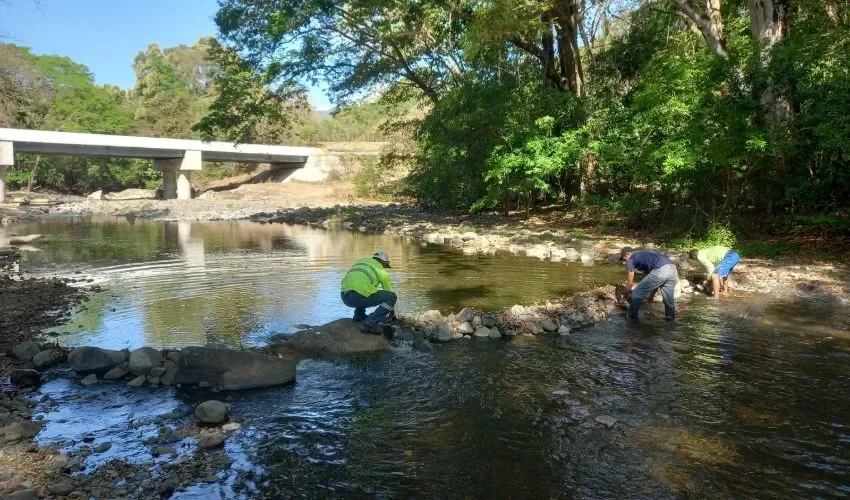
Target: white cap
[[382, 256]]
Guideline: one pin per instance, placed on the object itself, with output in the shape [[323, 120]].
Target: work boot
[[358, 318], [375, 330]]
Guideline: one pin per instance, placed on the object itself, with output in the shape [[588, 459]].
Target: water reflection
[[179, 283]]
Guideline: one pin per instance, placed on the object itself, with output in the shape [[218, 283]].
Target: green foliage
[[717, 233]]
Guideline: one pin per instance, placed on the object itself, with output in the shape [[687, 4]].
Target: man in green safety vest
[[360, 291]]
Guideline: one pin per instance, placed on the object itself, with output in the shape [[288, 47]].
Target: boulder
[[138, 381], [465, 314], [233, 370], [532, 327], [211, 412], [571, 254], [563, 330], [468, 236], [116, 373], [25, 378], [495, 333], [548, 325], [167, 378], [338, 339], [440, 333], [94, 359], [143, 360], [476, 321], [48, 358], [158, 371], [133, 194], [25, 351], [97, 195], [17, 431], [466, 328], [432, 316], [482, 332], [89, 379], [489, 320], [211, 439]]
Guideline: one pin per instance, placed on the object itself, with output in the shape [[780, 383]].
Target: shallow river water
[[743, 398]]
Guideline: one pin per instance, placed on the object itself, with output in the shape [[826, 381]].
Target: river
[[741, 398]]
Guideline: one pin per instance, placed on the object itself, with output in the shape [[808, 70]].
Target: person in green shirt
[[719, 262], [367, 284]]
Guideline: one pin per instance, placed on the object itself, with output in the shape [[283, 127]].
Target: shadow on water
[[728, 401]]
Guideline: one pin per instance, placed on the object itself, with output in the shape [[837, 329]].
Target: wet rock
[[63, 487], [133, 194], [495, 333], [89, 379], [606, 420], [466, 328], [28, 494], [167, 378], [25, 377], [48, 358], [466, 314], [476, 321], [211, 412], [97, 195], [25, 351], [563, 330], [143, 360], [579, 303], [482, 332], [116, 373], [532, 327], [571, 254], [232, 370], [102, 447], [168, 485], [231, 427], [211, 439], [161, 450], [158, 371], [432, 316], [93, 359], [338, 339], [440, 333], [138, 381], [548, 325], [17, 431], [489, 320], [468, 236], [153, 381], [173, 356], [210, 479]]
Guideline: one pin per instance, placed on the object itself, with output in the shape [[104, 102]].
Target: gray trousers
[[384, 300], [664, 278]]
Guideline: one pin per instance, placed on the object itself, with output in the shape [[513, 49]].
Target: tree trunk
[[31, 181], [769, 26], [567, 20], [708, 21]]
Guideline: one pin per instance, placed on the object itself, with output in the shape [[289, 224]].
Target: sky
[[106, 35]]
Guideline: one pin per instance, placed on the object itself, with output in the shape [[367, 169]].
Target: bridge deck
[[122, 146]]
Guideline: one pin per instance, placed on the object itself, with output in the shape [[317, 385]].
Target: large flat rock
[[338, 339], [232, 370]]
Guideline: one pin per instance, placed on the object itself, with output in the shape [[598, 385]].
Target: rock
[[116, 373], [167, 486], [466, 328], [25, 377], [495, 333], [489, 320], [153, 381], [173, 356], [579, 303], [466, 314], [211, 439], [476, 321], [684, 283], [210, 479], [89, 379], [211, 412], [160, 450], [167, 378], [17, 431], [61, 488], [138, 381], [93, 359], [338, 339], [231, 427], [132, 194], [563, 330], [158, 371], [207, 195], [102, 447], [558, 254], [606, 420], [432, 316], [440, 333], [571, 254], [48, 358], [97, 195], [548, 325], [143, 360], [25, 351], [482, 332], [532, 327], [28, 494], [539, 251], [468, 236], [233, 370], [23, 240]]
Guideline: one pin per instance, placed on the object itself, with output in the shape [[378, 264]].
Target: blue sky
[[105, 35]]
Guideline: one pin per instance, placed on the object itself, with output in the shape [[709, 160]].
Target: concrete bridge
[[175, 158]]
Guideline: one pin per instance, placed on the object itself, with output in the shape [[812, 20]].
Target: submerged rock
[[233, 370], [211, 412], [25, 377], [89, 379], [92, 359], [338, 339]]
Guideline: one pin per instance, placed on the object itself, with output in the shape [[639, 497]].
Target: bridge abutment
[[176, 181]]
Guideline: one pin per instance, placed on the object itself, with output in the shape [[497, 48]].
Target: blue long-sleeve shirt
[[645, 262]]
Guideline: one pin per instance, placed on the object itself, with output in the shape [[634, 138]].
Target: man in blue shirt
[[660, 273]]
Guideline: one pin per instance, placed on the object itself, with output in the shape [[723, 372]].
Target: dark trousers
[[384, 300]]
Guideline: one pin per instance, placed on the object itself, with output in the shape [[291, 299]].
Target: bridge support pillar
[[7, 159], [175, 175]]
